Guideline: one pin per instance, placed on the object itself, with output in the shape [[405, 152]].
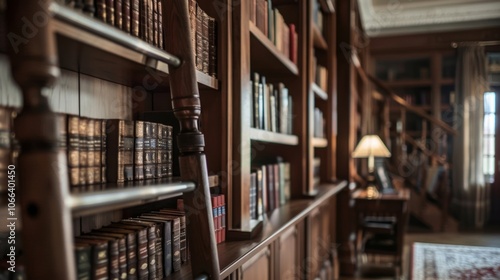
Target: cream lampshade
[[371, 146]]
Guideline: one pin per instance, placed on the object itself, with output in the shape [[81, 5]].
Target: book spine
[[110, 11], [139, 151], [143, 19], [149, 22], [155, 22], [96, 143], [223, 216], [135, 17], [103, 151], [90, 137], [192, 25], [199, 38], [119, 13], [205, 43], [82, 261], [160, 25], [82, 139], [212, 43], [100, 10], [126, 15], [73, 150]]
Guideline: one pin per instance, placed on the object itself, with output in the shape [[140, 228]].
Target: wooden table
[[383, 206]]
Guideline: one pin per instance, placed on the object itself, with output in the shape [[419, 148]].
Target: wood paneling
[[258, 267], [288, 254]]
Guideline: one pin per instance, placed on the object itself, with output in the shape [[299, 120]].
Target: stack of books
[[151, 246], [271, 106]]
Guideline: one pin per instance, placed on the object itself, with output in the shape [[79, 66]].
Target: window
[[489, 136]]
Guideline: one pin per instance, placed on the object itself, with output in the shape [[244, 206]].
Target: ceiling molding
[[392, 17]]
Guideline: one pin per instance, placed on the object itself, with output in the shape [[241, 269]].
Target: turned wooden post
[[187, 109], [42, 169]]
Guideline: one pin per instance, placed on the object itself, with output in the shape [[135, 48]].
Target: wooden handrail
[[400, 101], [424, 150]]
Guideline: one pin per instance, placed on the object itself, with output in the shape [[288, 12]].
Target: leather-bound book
[[149, 22], [160, 24], [89, 143], [82, 138], [155, 23], [183, 237], [165, 231], [99, 257], [119, 13], [103, 151], [127, 15], [73, 145], [192, 24], [113, 255], [134, 17], [97, 154], [205, 42], [100, 9], [110, 11], [152, 234], [139, 151], [143, 19], [212, 44], [122, 250], [119, 147], [150, 144], [131, 248], [199, 38], [175, 237], [142, 247], [82, 261]]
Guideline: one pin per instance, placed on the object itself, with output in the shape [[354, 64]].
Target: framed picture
[[383, 177]]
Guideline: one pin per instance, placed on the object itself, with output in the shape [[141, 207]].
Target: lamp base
[[372, 191], [371, 187]]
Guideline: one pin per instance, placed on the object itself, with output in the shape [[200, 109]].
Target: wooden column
[[187, 109], [346, 133], [42, 169]]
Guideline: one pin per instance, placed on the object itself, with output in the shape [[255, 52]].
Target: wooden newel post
[[187, 109], [41, 169]]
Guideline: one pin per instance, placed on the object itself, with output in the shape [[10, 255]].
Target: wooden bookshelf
[[273, 137], [97, 58], [117, 196], [267, 57], [408, 83], [111, 54]]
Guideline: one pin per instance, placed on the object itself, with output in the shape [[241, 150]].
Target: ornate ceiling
[[392, 17]]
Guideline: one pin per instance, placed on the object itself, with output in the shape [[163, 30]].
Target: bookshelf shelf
[[265, 56], [408, 83], [273, 137], [111, 54], [117, 196], [319, 92], [275, 223], [319, 142], [318, 39]]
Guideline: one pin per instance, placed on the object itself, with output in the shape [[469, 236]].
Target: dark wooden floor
[[490, 238]]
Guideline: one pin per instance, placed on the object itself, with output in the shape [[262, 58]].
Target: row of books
[[219, 215], [319, 123], [151, 246], [271, 22], [115, 150], [271, 106], [144, 19], [269, 188], [316, 171], [203, 38], [140, 18]]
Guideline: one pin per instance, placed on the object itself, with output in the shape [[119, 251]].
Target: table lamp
[[371, 146]]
